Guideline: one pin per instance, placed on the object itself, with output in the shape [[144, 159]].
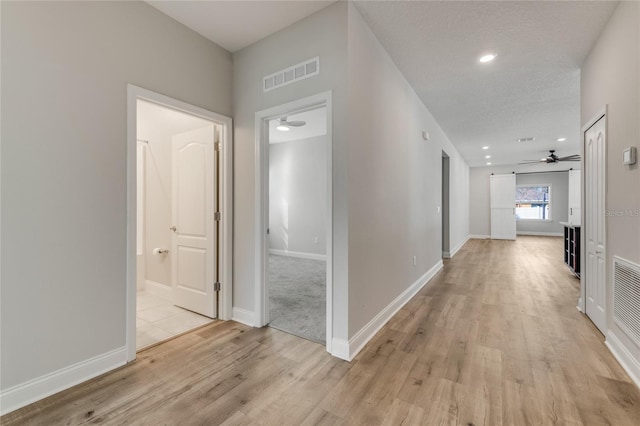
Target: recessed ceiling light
[[487, 156], [488, 164], [561, 139], [283, 128], [488, 58], [485, 147]]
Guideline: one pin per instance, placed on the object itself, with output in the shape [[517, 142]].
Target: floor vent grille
[[292, 74], [626, 297]]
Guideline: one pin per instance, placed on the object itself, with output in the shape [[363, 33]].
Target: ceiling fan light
[[283, 128], [487, 58]]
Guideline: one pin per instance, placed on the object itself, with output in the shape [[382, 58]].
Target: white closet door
[[595, 274], [193, 249], [503, 207]]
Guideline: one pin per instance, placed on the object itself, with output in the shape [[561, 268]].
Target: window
[[533, 202]]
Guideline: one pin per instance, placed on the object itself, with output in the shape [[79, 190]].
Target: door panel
[[193, 249], [595, 235], [503, 206]]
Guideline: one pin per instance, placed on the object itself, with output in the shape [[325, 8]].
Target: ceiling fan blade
[[296, 123], [574, 157], [533, 161]]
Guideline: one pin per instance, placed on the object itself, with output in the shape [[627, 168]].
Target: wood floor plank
[[494, 339]]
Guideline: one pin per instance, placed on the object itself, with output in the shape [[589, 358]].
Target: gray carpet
[[297, 296]]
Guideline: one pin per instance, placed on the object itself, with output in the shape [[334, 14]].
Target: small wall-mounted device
[[425, 135], [629, 156]]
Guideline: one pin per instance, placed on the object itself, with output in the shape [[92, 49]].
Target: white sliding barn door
[[503, 207], [595, 274], [193, 248]]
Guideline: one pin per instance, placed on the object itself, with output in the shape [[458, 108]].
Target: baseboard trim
[[458, 247], [540, 234], [299, 254], [626, 359], [41, 387], [340, 349], [479, 237], [366, 333], [244, 316], [158, 289]]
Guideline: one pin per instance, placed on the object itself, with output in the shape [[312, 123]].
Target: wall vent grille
[[626, 297], [292, 74]]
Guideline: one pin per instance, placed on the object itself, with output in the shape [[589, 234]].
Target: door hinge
[[216, 286], [218, 146], [217, 216]]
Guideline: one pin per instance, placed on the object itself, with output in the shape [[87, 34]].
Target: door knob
[[173, 228]]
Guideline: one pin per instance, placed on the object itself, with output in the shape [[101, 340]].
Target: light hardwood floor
[[494, 339]]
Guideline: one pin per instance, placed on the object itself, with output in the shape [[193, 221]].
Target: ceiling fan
[[284, 125], [552, 158]]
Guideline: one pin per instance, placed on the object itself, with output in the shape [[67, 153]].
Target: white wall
[[611, 75], [479, 201], [394, 181], [65, 69], [322, 34], [559, 182], [298, 195]]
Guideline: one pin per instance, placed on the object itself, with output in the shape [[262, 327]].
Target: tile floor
[[158, 319]]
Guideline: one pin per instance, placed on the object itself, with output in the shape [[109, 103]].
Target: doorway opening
[[294, 218], [446, 248], [178, 219], [296, 279]]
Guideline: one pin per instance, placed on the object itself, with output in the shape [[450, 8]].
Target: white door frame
[[226, 168], [262, 209], [602, 114]]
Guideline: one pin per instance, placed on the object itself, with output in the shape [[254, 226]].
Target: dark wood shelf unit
[[572, 248]]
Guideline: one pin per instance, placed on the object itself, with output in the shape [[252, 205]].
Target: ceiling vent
[[626, 297], [526, 139], [292, 74]]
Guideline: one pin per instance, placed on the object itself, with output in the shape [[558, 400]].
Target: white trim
[[158, 289], [624, 357], [262, 206], [299, 254], [41, 387], [244, 316], [340, 349], [540, 234], [458, 247], [366, 333], [226, 186], [479, 237]]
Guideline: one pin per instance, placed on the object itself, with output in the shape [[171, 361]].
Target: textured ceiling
[[532, 88], [237, 24]]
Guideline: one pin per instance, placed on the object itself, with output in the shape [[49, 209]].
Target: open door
[[503, 207], [193, 241]]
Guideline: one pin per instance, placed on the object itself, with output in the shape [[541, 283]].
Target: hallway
[[495, 338]]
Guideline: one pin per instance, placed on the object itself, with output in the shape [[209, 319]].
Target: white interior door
[[503, 207], [574, 197], [595, 277], [193, 253]]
